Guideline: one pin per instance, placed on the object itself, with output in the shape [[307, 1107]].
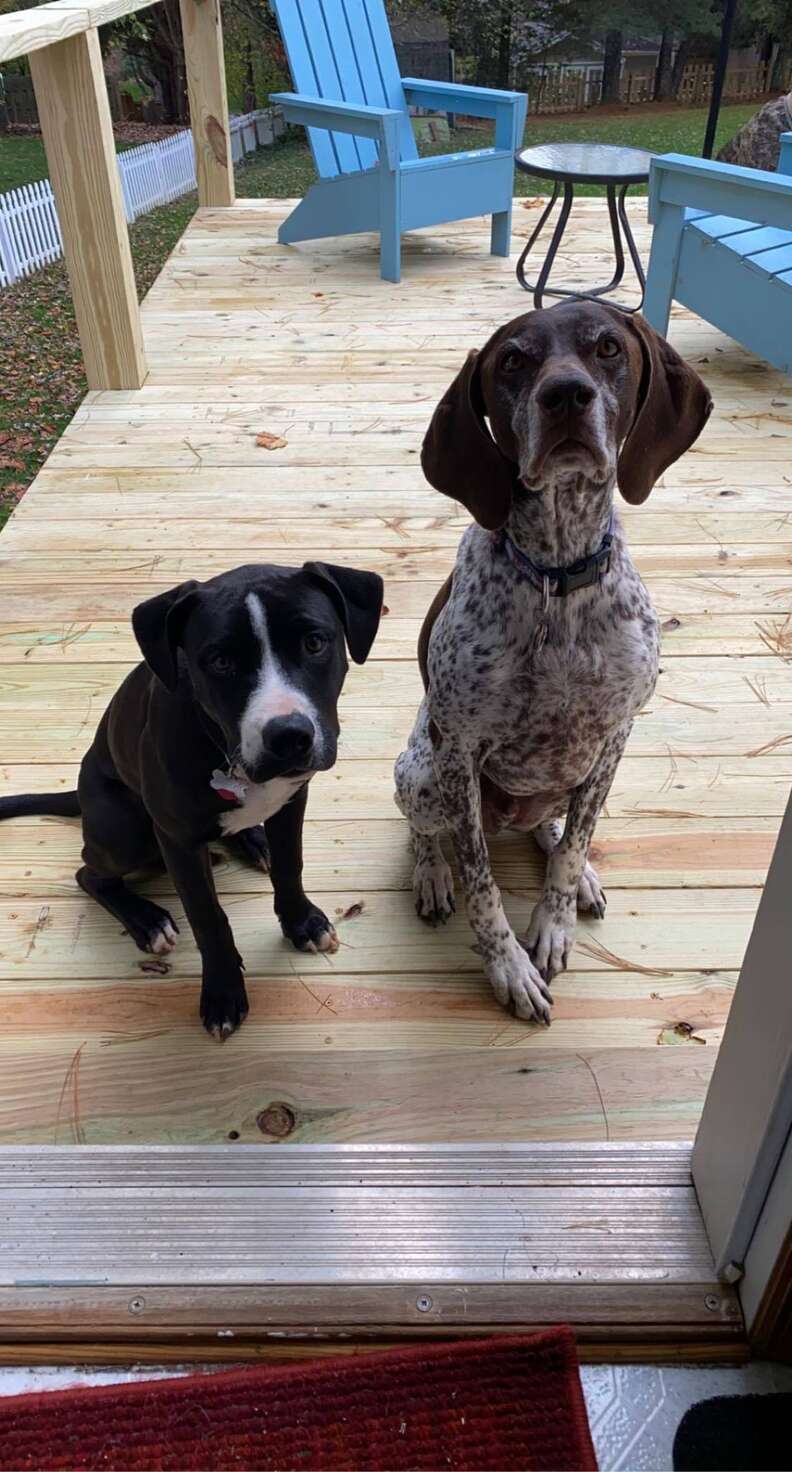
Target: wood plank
[[77, 129], [656, 1312], [25, 31], [206, 87], [44, 640], [678, 788], [662, 931], [39, 856], [141, 1088]]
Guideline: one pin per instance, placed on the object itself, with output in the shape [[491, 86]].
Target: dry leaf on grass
[[681, 1032], [269, 441]]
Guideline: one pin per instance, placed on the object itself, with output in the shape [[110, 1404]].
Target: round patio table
[[568, 164]]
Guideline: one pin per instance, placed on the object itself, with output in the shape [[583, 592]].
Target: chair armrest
[[380, 123], [479, 102], [785, 160], [757, 195]]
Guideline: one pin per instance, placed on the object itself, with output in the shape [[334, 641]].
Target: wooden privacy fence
[[560, 90], [61, 40]]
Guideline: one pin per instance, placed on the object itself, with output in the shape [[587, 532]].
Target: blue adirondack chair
[[354, 104], [722, 245]]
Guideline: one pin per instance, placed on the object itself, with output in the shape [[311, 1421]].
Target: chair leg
[[500, 238], [390, 224], [662, 272]]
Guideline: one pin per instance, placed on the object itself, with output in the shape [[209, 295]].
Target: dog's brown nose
[[289, 738], [565, 393]]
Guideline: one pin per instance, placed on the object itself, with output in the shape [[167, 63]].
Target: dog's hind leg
[[119, 839], [591, 898], [418, 798]]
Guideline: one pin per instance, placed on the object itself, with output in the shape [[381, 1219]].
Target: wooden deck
[[397, 1037]]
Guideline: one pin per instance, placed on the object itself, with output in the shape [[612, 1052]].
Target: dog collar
[[557, 582]]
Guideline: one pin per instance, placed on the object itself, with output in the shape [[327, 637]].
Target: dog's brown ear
[[159, 626], [673, 405], [459, 456], [357, 598]]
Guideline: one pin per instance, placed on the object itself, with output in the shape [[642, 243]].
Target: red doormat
[[479, 1405]]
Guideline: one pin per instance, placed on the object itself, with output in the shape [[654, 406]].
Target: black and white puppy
[[217, 735]]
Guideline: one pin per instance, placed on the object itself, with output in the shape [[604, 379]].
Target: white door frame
[[746, 1123]]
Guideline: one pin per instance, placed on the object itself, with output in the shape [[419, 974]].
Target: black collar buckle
[[582, 574]]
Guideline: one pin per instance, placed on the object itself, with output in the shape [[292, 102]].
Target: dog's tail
[[51, 804]]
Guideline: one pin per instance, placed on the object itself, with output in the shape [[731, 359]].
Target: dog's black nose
[[289, 738], [565, 393]]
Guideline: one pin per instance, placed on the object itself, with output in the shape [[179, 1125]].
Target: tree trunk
[[611, 67], [662, 86], [504, 45], [250, 103], [680, 62], [779, 82]]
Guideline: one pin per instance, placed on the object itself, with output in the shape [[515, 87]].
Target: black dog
[[217, 734]]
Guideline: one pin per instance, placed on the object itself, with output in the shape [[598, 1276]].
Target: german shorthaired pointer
[[543, 644]]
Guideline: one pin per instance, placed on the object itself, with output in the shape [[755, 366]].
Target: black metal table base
[[620, 226]]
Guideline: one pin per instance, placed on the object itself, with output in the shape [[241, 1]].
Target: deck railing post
[[74, 112], [206, 87]]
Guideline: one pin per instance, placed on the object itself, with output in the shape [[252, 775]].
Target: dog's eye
[[221, 664], [512, 361], [314, 643], [608, 347]]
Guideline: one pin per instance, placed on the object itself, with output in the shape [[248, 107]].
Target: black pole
[[719, 77]]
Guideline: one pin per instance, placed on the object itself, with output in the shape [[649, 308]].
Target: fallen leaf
[[5, 437], [681, 1032], [269, 441], [353, 911]]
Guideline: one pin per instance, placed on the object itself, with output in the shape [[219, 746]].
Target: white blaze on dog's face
[[276, 698], [262, 649]]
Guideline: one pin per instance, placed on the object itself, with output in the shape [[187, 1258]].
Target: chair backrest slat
[[342, 51]]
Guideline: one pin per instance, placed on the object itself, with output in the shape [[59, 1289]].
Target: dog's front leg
[[302, 922], [224, 1003], [551, 932], [510, 971]]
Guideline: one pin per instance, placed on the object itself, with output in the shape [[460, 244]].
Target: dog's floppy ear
[[672, 407], [357, 598], [159, 624], [459, 456]]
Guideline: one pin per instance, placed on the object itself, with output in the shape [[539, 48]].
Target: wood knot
[[277, 1119]]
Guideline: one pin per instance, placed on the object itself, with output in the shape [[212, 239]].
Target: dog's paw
[[433, 889], [312, 932], [590, 894], [162, 939], [250, 847], [516, 982], [551, 935], [151, 928], [223, 1009]]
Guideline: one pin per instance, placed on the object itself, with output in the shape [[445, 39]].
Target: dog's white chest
[[260, 802]]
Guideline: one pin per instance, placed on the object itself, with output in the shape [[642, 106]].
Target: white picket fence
[[152, 174]]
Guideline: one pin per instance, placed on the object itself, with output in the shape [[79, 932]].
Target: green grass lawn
[[288, 170], [42, 380]]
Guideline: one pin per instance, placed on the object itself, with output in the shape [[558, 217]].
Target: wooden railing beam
[[78, 137], [206, 87]]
